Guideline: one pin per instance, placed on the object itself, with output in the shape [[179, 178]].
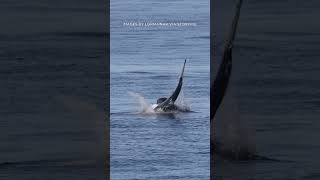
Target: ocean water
[[53, 86], [275, 85], [53, 90], [148, 61]]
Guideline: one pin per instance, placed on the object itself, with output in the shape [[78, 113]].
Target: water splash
[[182, 103], [232, 131], [145, 106]]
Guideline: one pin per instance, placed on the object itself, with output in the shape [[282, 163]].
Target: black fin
[[220, 84]]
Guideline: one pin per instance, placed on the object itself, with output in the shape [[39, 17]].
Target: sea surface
[[276, 86], [53, 90], [148, 61]]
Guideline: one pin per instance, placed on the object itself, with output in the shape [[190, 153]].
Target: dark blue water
[[53, 93], [148, 61], [276, 85]]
